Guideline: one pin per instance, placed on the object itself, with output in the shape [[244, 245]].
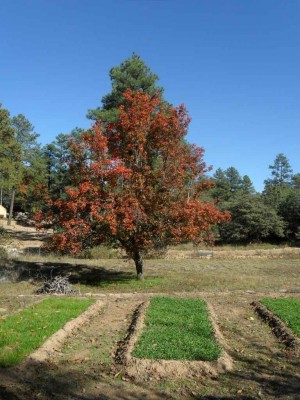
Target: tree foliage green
[[57, 156], [33, 166], [132, 74], [10, 153], [290, 212], [228, 183], [251, 221]]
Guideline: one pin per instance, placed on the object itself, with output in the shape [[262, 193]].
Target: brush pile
[[57, 285]]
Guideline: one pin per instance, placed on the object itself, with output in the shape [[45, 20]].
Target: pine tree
[[10, 158], [279, 186], [132, 74], [281, 171]]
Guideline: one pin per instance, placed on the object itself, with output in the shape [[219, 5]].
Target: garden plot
[[24, 332], [173, 338], [283, 316]]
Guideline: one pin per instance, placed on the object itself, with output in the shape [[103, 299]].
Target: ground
[[84, 368]]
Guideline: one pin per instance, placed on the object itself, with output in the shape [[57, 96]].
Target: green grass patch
[[25, 331], [177, 329], [132, 284], [288, 310]]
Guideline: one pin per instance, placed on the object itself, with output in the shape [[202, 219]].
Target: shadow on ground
[[42, 381], [50, 381], [25, 236], [90, 275], [275, 378]]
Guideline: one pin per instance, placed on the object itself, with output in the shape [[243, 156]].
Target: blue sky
[[233, 63]]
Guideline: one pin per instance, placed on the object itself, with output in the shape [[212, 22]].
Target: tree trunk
[[1, 196], [11, 208], [138, 260]]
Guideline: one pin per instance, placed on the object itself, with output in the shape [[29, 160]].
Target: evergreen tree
[[290, 211], [10, 159], [132, 74], [57, 156], [33, 164], [251, 221], [26, 137], [295, 181], [247, 185], [229, 182], [281, 171], [279, 186]]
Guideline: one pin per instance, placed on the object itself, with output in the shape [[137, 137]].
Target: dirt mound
[[279, 329]]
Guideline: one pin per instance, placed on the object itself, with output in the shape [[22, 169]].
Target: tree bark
[[11, 208], [138, 260]]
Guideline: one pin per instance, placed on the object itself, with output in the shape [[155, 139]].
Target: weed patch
[[24, 332], [133, 283], [177, 329], [287, 310]]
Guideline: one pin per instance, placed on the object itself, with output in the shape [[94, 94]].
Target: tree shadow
[[78, 273], [32, 236], [39, 380], [275, 377]]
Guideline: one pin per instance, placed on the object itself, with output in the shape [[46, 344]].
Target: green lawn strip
[[177, 329], [288, 310], [25, 331], [133, 283]]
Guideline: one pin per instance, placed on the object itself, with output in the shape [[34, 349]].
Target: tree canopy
[[10, 152], [251, 221], [281, 170], [132, 74], [136, 183], [228, 183]]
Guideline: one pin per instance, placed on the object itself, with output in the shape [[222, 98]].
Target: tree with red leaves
[[136, 184]]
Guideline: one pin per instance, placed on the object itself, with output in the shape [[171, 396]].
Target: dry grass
[[164, 275]]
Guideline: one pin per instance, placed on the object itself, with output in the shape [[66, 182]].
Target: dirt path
[[23, 239], [83, 368]]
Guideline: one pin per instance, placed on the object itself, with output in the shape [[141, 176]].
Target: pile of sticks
[[57, 285]]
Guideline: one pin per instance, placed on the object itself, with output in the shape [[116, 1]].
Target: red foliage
[[137, 183]]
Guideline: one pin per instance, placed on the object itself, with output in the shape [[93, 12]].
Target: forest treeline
[[29, 172]]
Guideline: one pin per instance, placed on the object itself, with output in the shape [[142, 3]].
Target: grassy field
[[288, 310], [177, 329], [176, 275], [25, 331]]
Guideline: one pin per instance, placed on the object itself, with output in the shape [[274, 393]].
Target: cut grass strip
[[177, 329], [288, 310], [25, 331]]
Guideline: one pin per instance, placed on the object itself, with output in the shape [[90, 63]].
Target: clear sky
[[233, 63]]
